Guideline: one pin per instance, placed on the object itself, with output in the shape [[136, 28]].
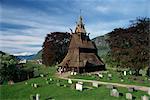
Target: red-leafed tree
[[55, 47], [130, 47]]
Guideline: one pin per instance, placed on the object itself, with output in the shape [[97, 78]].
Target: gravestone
[[110, 86], [80, 83], [32, 97], [129, 96], [51, 79], [148, 91], [109, 75], [114, 93], [79, 86], [69, 81], [122, 80], [100, 75], [144, 97], [26, 83], [35, 85], [71, 73], [95, 84], [58, 84], [124, 73], [47, 82], [41, 75], [75, 73], [131, 89], [37, 96], [65, 85], [130, 72]]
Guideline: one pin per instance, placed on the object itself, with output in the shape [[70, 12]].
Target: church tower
[[82, 53]]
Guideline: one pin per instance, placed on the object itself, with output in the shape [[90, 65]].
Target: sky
[[24, 24]]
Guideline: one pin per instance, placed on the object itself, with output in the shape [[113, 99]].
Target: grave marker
[[131, 89], [95, 84], [124, 73], [41, 75], [100, 75], [79, 86], [149, 91], [37, 96], [75, 73], [109, 75], [122, 80], [35, 85], [71, 73], [51, 79], [110, 86], [114, 93], [129, 96], [144, 97], [69, 81], [130, 72]]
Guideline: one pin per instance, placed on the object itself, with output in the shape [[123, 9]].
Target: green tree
[[130, 46], [8, 69]]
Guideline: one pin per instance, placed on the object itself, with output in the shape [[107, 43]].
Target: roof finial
[[80, 12], [80, 26]]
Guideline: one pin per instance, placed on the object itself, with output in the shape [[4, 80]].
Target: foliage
[[8, 69], [55, 47], [129, 47]]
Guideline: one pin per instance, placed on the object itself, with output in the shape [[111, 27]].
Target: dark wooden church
[[82, 53]]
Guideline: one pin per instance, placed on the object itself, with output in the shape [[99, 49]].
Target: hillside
[[37, 56], [101, 45]]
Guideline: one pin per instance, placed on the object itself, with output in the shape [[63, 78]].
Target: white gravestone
[[109, 75], [100, 75], [128, 96], [69, 81], [41, 75], [71, 73], [79, 87], [144, 97], [26, 83], [50, 79], [95, 84], [124, 73], [35, 85], [80, 83], [149, 91], [37, 96], [114, 92], [75, 73], [130, 72]]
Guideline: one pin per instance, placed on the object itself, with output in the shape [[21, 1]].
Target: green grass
[[115, 78], [22, 91]]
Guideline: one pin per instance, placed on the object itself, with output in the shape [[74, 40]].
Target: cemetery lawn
[[59, 90], [128, 79]]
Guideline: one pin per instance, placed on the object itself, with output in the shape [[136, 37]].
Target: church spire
[[80, 26]]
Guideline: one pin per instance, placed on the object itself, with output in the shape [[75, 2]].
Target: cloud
[[25, 23], [23, 54]]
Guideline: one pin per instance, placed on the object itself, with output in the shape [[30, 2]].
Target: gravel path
[[142, 88]]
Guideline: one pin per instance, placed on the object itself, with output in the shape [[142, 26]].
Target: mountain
[[38, 55], [27, 57], [101, 44]]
